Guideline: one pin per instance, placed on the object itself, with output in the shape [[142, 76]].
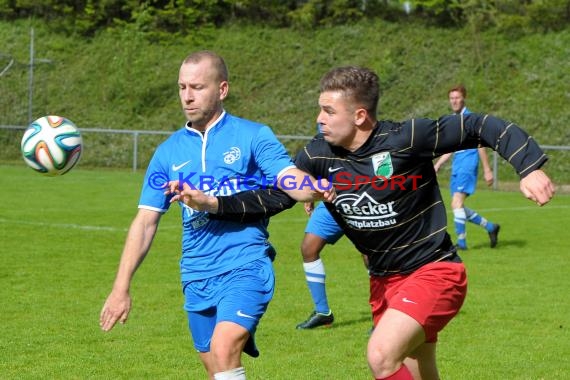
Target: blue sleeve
[[270, 154]]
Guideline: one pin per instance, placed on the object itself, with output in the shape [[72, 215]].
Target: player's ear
[[360, 116], [224, 89]]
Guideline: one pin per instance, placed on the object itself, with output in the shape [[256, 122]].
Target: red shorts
[[432, 295]]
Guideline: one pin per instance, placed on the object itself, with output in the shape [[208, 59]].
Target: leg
[[321, 230], [459, 218], [491, 228], [225, 329], [409, 311], [227, 344], [315, 270], [208, 363], [422, 363], [236, 373], [315, 276], [396, 336]]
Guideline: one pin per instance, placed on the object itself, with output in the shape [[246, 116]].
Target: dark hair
[[358, 83], [459, 88], [217, 62]]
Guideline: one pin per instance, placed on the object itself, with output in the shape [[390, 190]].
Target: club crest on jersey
[[382, 163], [232, 155]]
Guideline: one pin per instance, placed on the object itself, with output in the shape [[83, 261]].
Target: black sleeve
[[252, 205], [455, 132]]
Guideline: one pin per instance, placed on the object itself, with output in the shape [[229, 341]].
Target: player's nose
[[187, 96]]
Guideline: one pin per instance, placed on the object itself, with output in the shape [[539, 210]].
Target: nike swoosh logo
[[241, 314], [331, 170], [406, 300], [178, 167]]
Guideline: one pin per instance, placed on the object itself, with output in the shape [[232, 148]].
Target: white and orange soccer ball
[[52, 145]]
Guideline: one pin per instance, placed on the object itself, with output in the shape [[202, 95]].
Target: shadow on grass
[[355, 321], [501, 244]]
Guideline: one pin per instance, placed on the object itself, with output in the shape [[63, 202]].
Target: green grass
[[61, 239]]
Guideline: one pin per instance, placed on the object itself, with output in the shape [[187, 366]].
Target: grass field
[[60, 241]]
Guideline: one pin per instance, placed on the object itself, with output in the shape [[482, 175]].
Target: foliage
[[509, 15], [162, 19]]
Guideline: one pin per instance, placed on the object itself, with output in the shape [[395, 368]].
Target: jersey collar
[[213, 125]]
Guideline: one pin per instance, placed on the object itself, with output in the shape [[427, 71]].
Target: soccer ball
[[51, 145]]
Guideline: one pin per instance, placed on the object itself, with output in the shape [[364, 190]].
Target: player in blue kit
[[388, 203], [226, 267], [321, 229], [463, 181]]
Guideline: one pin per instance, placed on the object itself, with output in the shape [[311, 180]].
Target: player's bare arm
[[442, 160], [304, 187], [191, 197], [487, 172], [139, 239]]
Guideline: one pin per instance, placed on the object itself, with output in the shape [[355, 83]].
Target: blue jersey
[[467, 160], [231, 156]]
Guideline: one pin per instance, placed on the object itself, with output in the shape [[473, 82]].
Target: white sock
[[316, 267], [232, 374]]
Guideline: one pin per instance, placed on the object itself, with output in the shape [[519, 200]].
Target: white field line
[[72, 225], [280, 220]]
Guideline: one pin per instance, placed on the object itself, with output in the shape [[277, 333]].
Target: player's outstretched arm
[[303, 187], [191, 197], [139, 239], [537, 187], [246, 206]]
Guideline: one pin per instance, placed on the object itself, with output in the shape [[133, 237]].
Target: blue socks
[[475, 218], [461, 216], [459, 219], [315, 276]]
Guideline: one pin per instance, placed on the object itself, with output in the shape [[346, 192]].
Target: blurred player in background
[[321, 230], [463, 180], [226, 267], [389, 205]]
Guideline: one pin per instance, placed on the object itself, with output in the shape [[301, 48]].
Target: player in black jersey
[[389, 205]]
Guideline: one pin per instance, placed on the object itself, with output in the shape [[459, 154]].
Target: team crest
[[382, 163], [232, 155]]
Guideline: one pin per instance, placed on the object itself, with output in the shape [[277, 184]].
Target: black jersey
[[388, 200]]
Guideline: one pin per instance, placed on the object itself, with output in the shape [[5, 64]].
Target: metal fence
[[134, 148], [137, 148]]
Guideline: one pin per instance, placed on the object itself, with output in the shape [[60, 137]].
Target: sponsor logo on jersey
[[362, 211], [232, 155], [382, 163]]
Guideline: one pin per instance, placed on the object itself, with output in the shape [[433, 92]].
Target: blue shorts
[[240, 296], [322, 224], [463, 183]]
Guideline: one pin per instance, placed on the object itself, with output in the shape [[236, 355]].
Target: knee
[[381, 362], [310, 251], [225, 356], [455, 204]]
